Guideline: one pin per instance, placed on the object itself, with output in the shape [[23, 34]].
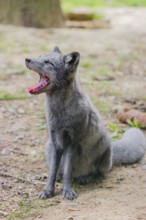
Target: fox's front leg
[[67, 191], [54, 157]]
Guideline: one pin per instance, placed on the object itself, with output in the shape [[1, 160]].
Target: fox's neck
[[62, 97]]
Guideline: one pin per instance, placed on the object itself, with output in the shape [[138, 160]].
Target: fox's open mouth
[[44, 80]]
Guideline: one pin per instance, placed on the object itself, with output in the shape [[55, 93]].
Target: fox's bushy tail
[[130, 148]]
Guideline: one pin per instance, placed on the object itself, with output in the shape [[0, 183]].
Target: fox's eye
[[48, 62]]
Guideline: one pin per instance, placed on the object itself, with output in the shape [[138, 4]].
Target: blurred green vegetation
[[69, 5], [6, 95]]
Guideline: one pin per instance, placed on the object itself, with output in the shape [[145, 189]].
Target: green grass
[[41, 126], [86, 63], [20, 69], [69, 5], [96, 15], [109, 89], [24, 47], [101, 104], [24, 208], [4, 44], [43, 47], [6, 95], [115, 132], [102, 71], [27, 208]]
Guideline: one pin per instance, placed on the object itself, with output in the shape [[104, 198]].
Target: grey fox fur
[[78, 145]]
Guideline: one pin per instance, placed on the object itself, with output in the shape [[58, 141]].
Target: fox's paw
[[69, 194], [59, 177], [45, 194], [83, 180]]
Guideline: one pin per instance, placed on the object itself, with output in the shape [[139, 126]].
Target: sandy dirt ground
[[117, 53]]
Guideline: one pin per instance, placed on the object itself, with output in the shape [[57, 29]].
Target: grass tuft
[[69, 5], [86, 63], [6, 95], [24, 208]]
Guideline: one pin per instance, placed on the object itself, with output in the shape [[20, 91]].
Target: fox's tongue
[[43, 81]]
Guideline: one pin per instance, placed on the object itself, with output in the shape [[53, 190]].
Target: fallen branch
[[103, 78], [88, 24], [21, 179]]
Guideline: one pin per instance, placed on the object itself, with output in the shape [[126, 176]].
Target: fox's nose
[[27, 60]]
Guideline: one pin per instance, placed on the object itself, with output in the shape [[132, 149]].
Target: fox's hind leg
[[105, 163]]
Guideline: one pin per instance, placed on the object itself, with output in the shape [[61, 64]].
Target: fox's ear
[[56, 49], [71, 60]]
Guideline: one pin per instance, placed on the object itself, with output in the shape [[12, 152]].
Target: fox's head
[[55, 69]]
